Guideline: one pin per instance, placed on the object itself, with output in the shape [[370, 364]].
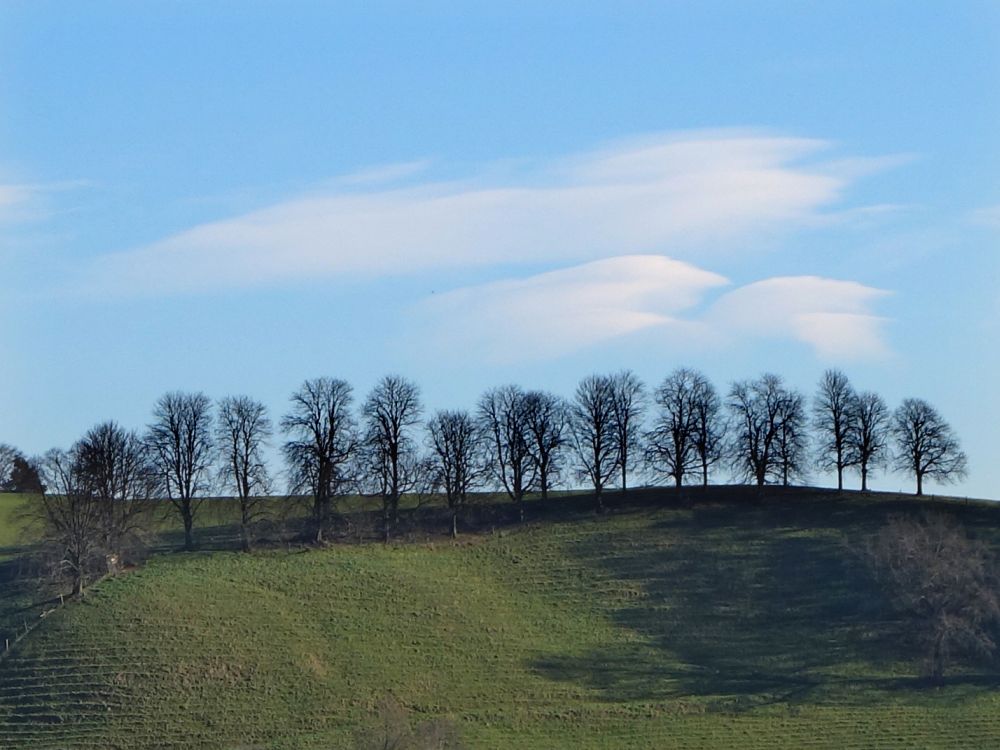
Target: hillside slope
[[724, 625]]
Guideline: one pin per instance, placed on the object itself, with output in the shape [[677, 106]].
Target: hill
[[728, 623]]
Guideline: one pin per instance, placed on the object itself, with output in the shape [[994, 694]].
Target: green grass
[[724, 625], [12, 525]]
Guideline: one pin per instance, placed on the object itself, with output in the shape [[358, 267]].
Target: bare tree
[[457, 452], [180, 444], [7, 455], [832, 420], [756, 408], [709, 428], [868, 437], [546, 417], [323, 445], [391, 412], [672, 443], [503, 414], [242, 431], [628, 403], [943, 581], [791, 444], [925, 444], [115, 465], [393, 731], [71, 518], [595, 434]]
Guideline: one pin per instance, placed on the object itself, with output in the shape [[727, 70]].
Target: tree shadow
[[743, 607]]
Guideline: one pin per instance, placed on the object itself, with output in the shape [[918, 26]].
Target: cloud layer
[[834, 317], [555, 313], [674, 193], [559, 312]]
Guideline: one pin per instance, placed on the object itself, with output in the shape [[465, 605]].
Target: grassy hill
[[726, 624]]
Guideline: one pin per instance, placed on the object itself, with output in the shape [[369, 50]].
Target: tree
[[791, 442], [7, 455], [180, 445], [545, 415], [242, 431], [672, 443], [757, 408], [832, 420], [867, 438], [457, 452], [18, 473], [393, 731], [595, 435], [391, 412], [503, 414], [70, 517], [114, 464], [324, 444], [925, 444], [709, 428], [628, 399], [943, 581]]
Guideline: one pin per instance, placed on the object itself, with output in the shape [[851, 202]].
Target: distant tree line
[[517, 441]]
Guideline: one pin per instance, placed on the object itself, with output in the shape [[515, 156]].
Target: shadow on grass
[[748, 606]]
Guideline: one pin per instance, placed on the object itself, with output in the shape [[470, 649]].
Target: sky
[[232, 197]]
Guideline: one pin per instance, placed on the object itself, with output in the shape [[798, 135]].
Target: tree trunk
[[704, 473], [545, 486], [937, 661], [319, 517], [920, 483], [188, 527], [678, 479], [599, 501], [454, 523], [864, 478], [840, 478], [244, 525], [624, 485]]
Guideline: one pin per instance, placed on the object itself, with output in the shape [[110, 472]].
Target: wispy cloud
[[988, 216], [559, 312], [834, 317], [562, 311], [27, 201], [16, 201], [672, 193]]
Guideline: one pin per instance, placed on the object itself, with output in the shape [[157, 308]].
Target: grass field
[[727, 624], [11, 523]]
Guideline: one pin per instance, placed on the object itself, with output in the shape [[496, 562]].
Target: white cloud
[[15, 200], [987, 216], [383, 174], [666, 194], [834, 317], [559, 312], [27, 202]]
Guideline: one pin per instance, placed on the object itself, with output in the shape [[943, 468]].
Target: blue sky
[[232, 197]]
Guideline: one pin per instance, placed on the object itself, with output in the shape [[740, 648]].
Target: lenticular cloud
[[683, 194], [559, 312]]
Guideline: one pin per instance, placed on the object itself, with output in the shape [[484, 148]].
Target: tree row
[[515, 440]]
